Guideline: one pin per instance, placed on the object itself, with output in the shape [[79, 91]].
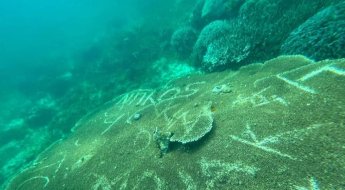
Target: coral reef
[[255, 34], [222, 44], [285, 116], [164, 42], [206, 11], [212, 35], [212, 8], [182, 41], [321, 36]]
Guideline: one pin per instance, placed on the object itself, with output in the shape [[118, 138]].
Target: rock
[[137, 116], [221, 44], [163, 141]]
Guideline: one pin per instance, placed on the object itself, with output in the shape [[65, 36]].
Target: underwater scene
[[172, 94]]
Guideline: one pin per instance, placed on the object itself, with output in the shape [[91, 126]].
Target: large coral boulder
[[182, 41], [258, 31], [321, 36], [273, 125]]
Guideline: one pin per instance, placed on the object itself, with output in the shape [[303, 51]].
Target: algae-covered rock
[[281, 127]]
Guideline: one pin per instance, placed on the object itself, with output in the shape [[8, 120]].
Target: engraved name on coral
[[298, 83], [176, 92], [187, 180], [111, 123], [260, 99], [216, 171], [313, 185], [248, 137], [142, 140], [145, 98], [102, 182], [150, 177], [139, 97], [44, 179]]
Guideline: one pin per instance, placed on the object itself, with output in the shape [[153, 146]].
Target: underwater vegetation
[[206, 94]]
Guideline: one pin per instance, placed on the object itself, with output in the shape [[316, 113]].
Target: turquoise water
[[60, 61], [41, 44]]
